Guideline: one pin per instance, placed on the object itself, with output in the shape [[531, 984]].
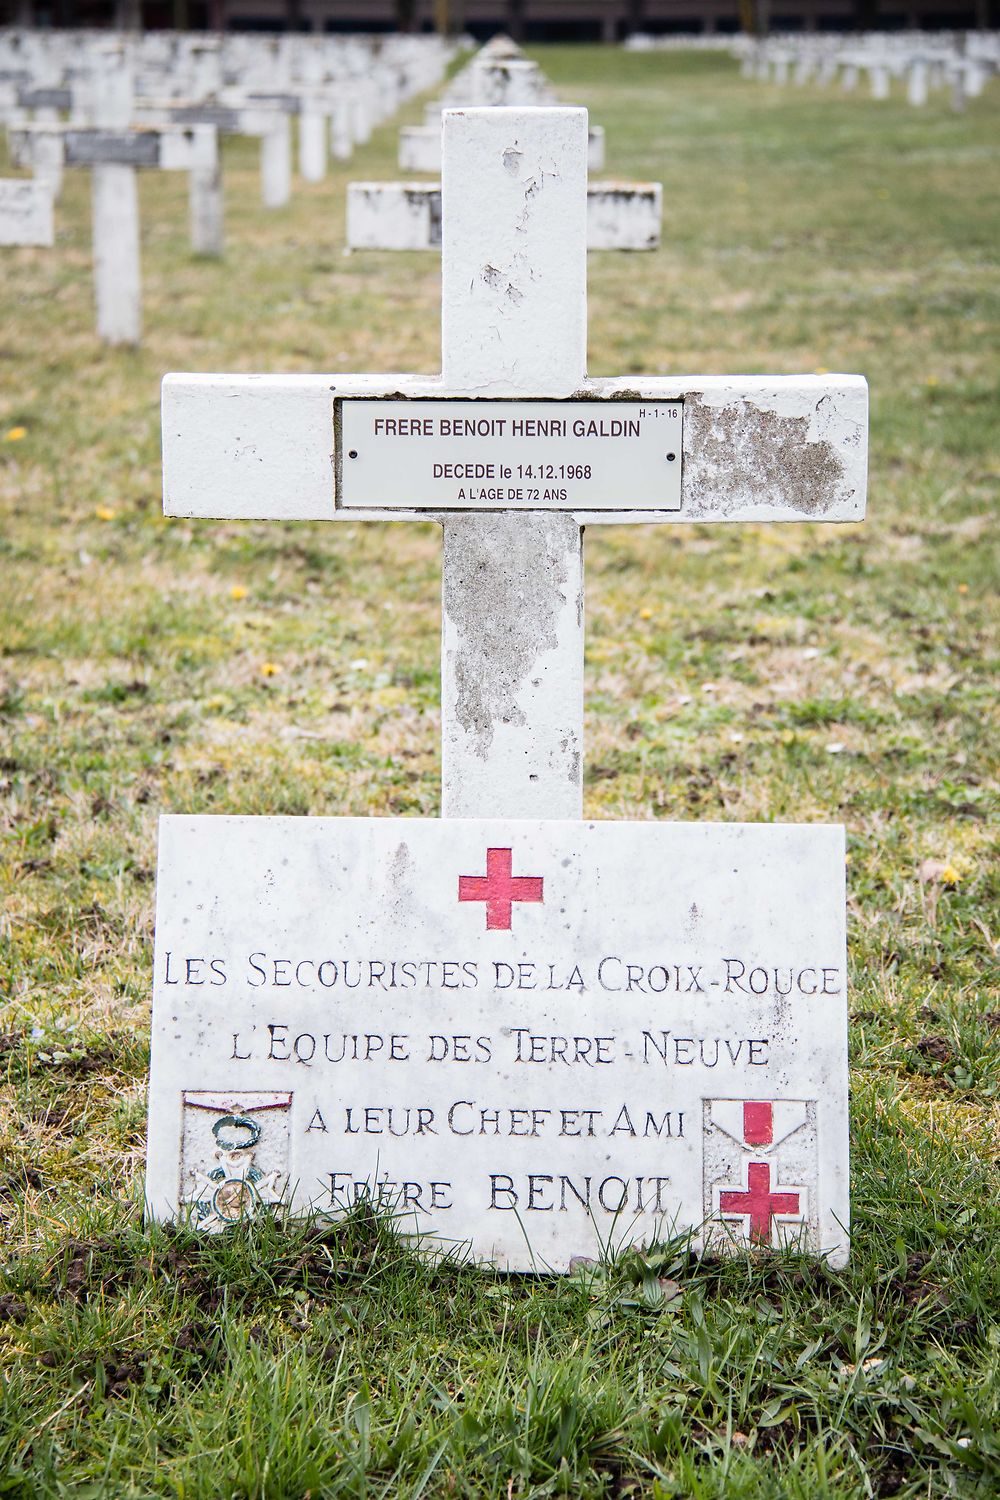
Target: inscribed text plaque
[[509, 455], [529, 1038]]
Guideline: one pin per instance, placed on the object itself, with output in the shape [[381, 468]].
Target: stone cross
[[113, 152], [514, 345]]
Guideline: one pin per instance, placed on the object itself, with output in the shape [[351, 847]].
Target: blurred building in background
[[526, 20]]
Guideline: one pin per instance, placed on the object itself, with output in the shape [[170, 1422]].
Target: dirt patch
[[12, 1309], [17, 1182], [935, 1049]]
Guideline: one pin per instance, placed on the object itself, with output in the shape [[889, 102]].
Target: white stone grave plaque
[[531, 1039], [518, 455]]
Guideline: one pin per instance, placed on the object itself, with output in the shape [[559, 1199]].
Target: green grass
[[755, 672]]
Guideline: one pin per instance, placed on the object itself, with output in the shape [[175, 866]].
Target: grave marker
[[751, 448], [407, 215], [113, 156], [537, 1038]]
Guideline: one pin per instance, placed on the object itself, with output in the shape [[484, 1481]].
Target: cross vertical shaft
[[514, 323]]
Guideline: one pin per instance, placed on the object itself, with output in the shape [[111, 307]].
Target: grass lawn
[[799, 672]]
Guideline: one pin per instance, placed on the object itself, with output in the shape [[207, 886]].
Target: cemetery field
[[814, 673]]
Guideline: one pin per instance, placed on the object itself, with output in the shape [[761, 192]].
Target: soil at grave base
[[120, 1371], [934, 1049], [76, 1061], [914, 1288], [18, 1182], [314, 1262], [12, 1309]]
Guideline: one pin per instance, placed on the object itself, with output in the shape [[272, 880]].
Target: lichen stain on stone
[[505, 580], [740, 455], [400, 869]]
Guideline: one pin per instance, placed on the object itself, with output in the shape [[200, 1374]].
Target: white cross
[[514, 327], [114, 151]]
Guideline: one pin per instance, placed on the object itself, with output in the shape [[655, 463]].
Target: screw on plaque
[[353, 453], [671, 457]]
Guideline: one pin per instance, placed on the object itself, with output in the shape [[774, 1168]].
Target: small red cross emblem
[[759, 1202], [499, 888], [758, 1123]]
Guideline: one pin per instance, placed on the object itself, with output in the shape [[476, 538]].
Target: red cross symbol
[[759, 1202], [499, 888], [758, 1123]]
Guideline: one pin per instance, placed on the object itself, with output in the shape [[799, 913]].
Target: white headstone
[[207, 210], [276, 163], [533, 1039]]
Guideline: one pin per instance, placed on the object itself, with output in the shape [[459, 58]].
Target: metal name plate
[[88, 148], [286, 104], [509, 455], [218, 115], [45, 98]]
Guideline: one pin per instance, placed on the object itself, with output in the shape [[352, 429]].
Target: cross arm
[[755, 447]]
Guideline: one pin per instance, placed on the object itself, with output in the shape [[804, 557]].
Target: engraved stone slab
[[25, 212], [514, 455], [532, 1038]]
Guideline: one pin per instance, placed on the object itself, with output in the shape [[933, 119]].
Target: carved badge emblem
[[760, 1170], [234, 1156]]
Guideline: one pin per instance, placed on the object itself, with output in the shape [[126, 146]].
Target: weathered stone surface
[[25, 212], [532, 1037]]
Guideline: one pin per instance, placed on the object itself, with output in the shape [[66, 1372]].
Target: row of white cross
[[109, 133], [923, 62]]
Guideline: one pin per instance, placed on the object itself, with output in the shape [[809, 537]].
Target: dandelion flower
[[15, 434], [237, 592], [938, 871], [269, 669], [104, 513]]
